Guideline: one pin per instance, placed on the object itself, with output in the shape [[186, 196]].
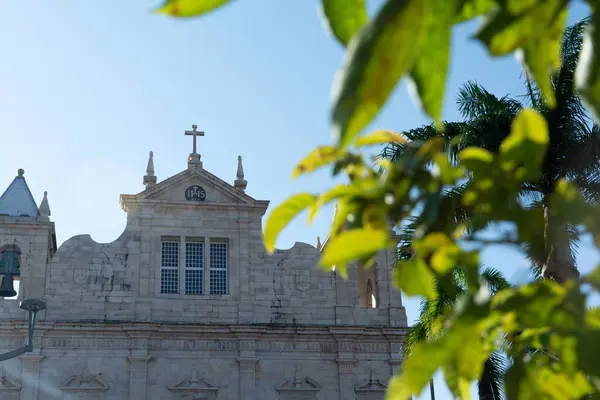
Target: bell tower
[[27, 241]]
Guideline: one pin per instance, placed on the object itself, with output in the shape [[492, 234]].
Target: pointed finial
[[149, 178], [240, 183], [20, 172], [44, 209], [319, 243]]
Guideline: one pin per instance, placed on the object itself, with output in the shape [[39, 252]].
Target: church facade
[[187, 304]]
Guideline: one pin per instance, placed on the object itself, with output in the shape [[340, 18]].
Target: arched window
[[10, 260], [10, 264], [367, 287]]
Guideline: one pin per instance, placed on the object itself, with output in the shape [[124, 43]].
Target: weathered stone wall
[[154, 361], [120, 280], [285, 330]]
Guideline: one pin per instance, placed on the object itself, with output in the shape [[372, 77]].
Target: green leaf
[[479, 161], [537, 30], [190, 8], [526, 144], [449, 351], [470, 9], [344, 17], [385, 49], [414, 278], [352, 245], [317, 158], [283, 214], [587, 76], [431, 68]]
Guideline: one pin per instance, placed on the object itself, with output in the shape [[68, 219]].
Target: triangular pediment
[[6, 385], [299, 385], [372, 385], [194, 384], [196, 185], [84, 382]]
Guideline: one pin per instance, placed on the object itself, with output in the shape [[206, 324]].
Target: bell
[[7, 288]]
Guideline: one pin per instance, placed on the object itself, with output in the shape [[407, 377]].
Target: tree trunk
[[559, 264]]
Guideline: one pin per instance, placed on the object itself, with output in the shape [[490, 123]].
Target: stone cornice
[[128, 199], [58, 328]]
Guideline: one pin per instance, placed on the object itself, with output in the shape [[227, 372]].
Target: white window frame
[[212, 267], [163, 241], [182, 267], [198, 241]]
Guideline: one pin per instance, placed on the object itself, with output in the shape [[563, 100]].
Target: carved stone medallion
[[195, 193]]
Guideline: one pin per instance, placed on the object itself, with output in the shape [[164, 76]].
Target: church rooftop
[[17, 200]]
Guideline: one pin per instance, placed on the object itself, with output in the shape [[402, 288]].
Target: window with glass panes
[[169, 267], [194, 267], [218, 268]]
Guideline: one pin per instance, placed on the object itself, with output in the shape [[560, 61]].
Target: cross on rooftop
[[195, 133]]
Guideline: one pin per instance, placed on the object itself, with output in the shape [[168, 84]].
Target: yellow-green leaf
[[344, 17], [537, 30], [379, 55], [190, 8], [283, 214], [587, 76], [379, 137], [527, 143], [431, 69], [317, 158], [414, 278], [470, 9], [352, 245], [477, 160]]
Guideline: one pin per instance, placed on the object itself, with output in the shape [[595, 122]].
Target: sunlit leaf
[[537, 30], [414, 278], [380, 137], [431, 68], [352, 245], [283, 214], [587, 76], [344, 17], [190, 8], [376, 59], [317, 158], [527, 143]]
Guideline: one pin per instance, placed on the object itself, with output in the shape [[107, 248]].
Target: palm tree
[[490, 384], [573, 153]]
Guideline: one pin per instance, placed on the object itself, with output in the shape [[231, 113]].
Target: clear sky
[[87, 88]]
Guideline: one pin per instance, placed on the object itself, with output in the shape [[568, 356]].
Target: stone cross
[[194, 133]]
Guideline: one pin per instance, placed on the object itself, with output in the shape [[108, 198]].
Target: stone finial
[[44, 209], [149, 178], [240, 183], [20, 172], [319, 245]]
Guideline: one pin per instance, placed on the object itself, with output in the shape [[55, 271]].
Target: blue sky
[[89, 87]]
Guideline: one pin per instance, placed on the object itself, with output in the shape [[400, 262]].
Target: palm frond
[[491, 383], [495, 280]]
